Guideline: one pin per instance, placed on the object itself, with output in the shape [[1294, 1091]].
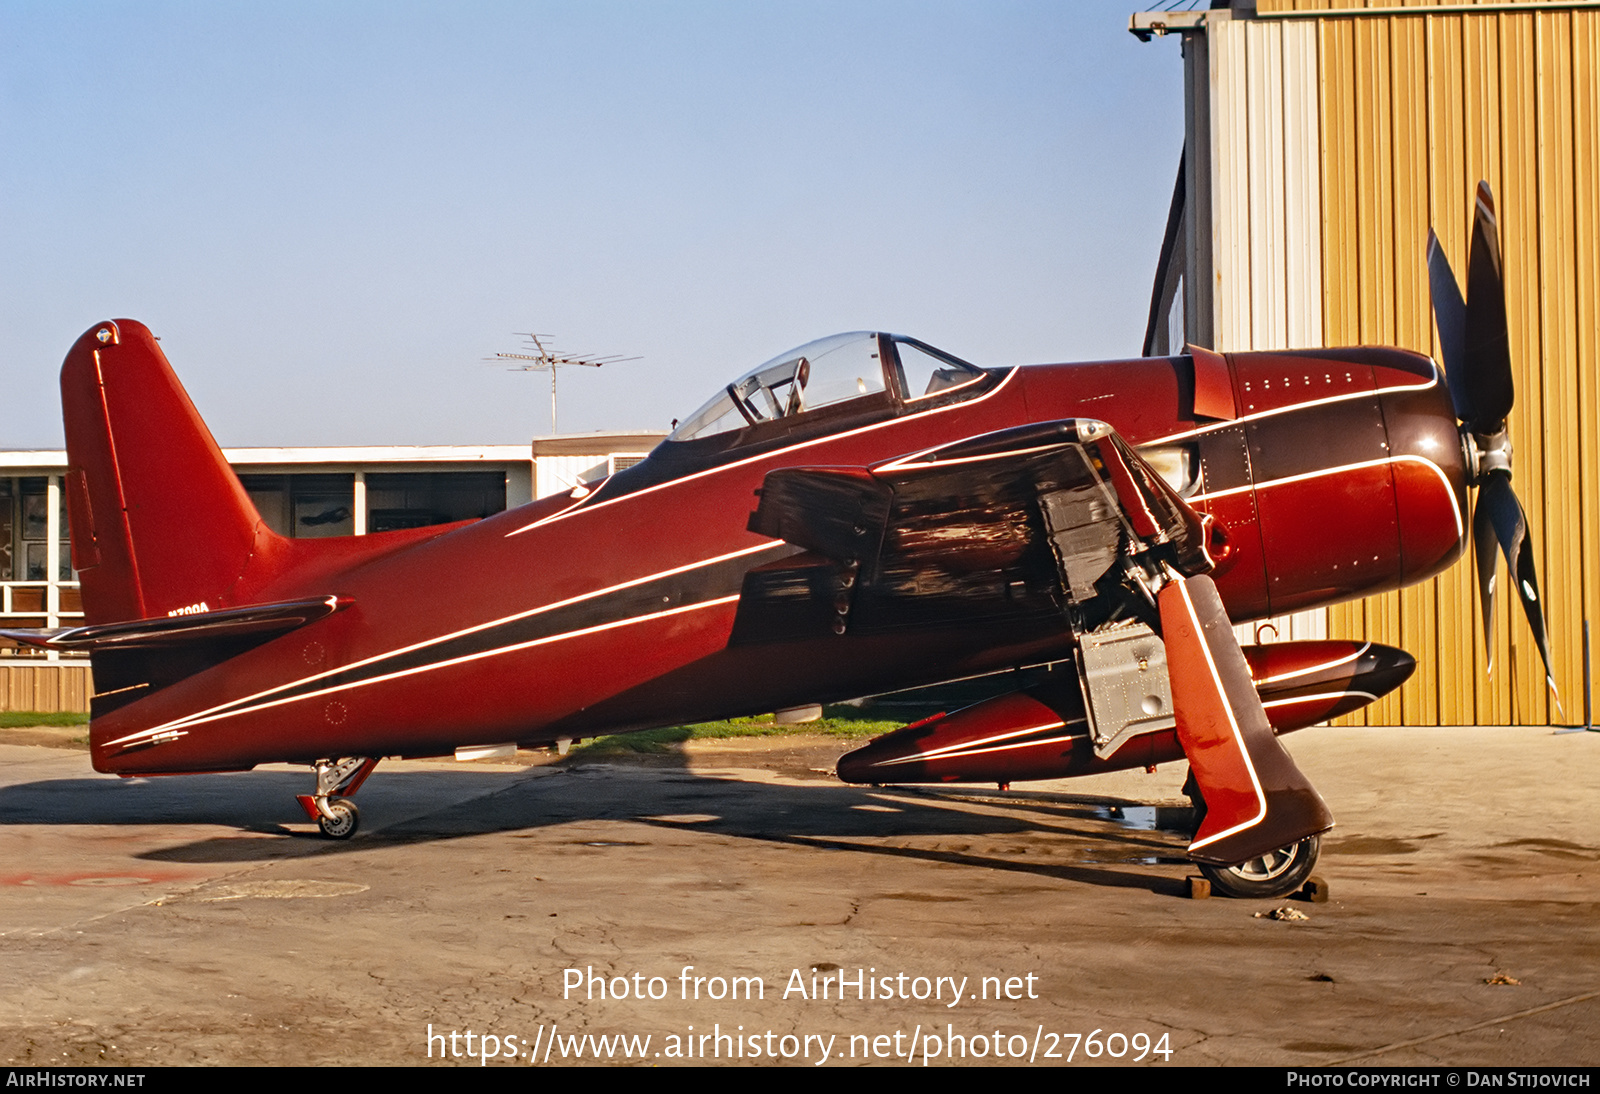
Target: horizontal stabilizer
[[1257, 800], [260, 621]]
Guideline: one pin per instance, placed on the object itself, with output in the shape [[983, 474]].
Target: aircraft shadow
[[1061, 837]]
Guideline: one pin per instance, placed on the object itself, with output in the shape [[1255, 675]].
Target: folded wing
[[1060, 524]]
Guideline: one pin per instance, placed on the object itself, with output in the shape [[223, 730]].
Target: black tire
[[1273, 875], [346, 819]]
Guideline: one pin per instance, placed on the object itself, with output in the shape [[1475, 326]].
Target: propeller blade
[[1257, 799], [1487, 350], [1483, 544], [1450, 315], [1475, 342], [1510, 523]]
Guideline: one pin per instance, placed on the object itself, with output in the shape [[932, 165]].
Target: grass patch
[[13, 719], [844, 722]]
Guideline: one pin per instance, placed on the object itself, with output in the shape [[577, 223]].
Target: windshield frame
[[731, 421], [781, 383], [974, 373]]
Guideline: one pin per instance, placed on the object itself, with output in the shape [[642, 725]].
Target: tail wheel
[[331, 806], [1275, 874], [344, 821]]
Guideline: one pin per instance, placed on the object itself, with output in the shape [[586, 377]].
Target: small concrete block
[[1199, 888]]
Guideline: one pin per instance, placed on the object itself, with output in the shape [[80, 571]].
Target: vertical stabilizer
[[160, 524]]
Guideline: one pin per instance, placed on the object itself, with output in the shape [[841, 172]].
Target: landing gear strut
[[337, 782]]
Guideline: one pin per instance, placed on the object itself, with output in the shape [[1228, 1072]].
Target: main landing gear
[[1275, 874], [337, 782]]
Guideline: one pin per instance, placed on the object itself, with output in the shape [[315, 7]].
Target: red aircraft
[[862, 514]]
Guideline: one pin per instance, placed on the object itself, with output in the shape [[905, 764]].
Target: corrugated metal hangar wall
[[1323, 141]]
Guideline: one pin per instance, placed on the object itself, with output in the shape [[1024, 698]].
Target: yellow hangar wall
[[1330, 137]]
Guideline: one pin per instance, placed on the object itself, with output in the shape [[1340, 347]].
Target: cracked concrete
[[199, 920]]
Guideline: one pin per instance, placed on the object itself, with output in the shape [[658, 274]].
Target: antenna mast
[[547, 359]]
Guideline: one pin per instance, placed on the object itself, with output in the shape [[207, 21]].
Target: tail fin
[[160, 524]]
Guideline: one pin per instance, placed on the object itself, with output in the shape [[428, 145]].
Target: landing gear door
[[1123, 670]]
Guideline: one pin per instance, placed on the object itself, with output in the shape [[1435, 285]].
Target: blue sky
[[332, 212]]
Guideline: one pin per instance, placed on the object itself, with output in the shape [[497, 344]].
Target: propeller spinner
[[1475, 343]]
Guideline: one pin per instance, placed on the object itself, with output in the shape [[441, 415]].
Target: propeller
[[1475, 343]]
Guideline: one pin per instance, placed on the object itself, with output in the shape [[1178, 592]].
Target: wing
[[1052, 526], [1026, 526]]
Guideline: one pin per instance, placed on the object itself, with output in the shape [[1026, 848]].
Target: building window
[[417, 500], [34, 541], [8, 503], [304, 506]]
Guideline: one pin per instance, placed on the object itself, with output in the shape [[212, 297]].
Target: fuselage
[[1339, 473]]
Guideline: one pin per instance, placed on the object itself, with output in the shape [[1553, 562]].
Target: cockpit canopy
[[828, 372]]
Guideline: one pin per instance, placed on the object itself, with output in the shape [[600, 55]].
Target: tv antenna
[[545, 358]]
